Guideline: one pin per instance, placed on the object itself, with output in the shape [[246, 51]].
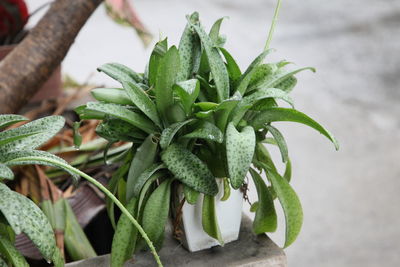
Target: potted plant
[[198, 125], [14, 16]]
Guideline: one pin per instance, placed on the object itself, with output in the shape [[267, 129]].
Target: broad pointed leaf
[[111, 95], [189, 169], [209, 219], [140, 99], [30, 135], [154, 64], [5, 172], [143, 159], [24, 216], [206, 130], [240, 148], [280, 141], [190, 194], [155, 213], [217, 66], [169, 133], [120, 73], [125, 114], [9, 119], [145, 176], [187, 91], [231, 65]]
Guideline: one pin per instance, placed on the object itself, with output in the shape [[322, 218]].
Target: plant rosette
[[198, 125]]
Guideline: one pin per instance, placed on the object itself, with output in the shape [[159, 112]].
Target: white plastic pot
[[229, 215]]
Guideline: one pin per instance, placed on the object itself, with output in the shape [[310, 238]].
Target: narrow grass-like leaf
[[169, 133], [120, 73], [33, 134], [155, 213], [265, 219], [125, 237], [8, 250], [111, 95], [239, 151], [246, 77], [231, 65], [5, 172], [189, 50], [189, 169], [24, 216], [286, 114], [281, 76], [280, 141], [143, 159], [206, 130], [290, 203], [166, 77], [140, 99], [187, 91], [10, 119], [217, 66], [145, 176], [124, 114], [190, 194], [209, 219], [76, 242]]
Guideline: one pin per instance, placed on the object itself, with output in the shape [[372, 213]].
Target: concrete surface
[[248, 251], [350, 197]]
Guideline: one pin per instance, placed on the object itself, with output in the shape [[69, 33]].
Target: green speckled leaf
[[125, 237], [239, 151], [209, 219], [10, 253], [246, 77], [261, 74], [2, 262], [145, 176], [120, 72], [111, 95], [140, 99], [155, 213], [265, 219], [280, 141], [286, 114], [189, 50], [166, 77], [169, 133], [206, 130], [231, 65], [189, 169], [187, 91], [217, 66], [290, 203], [143, 159], [125, 114], [5, 172], [30, 135], [28, 157], [113, 129], [214, 32], [9, 119], [24, 216]]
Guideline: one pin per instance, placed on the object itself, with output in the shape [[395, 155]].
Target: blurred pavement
[[351, 197]]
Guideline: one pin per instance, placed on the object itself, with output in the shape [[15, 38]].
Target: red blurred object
[[13, 17]]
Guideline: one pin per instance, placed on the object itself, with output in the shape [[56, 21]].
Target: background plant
[[194, 118]]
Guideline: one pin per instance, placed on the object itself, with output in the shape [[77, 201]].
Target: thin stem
[[271, 30], [105, 191]]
